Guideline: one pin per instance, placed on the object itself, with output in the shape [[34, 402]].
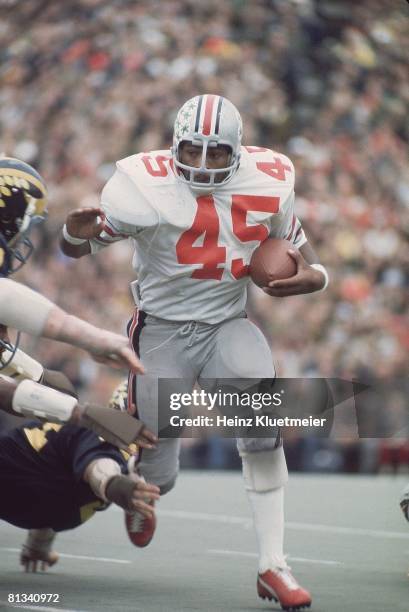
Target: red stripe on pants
[[207, 122]]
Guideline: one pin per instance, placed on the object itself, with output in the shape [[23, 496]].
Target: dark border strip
[[218, 113], [199, 109]]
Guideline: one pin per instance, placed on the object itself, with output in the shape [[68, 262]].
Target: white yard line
[[38, 608], [239, 553], [82, 557], [247, 524]]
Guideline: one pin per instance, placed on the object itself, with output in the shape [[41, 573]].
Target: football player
[[196, 214], [23, 200], [22, 205], [26, 388], [54, 477]]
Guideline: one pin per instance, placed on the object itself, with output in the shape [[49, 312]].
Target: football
[[270, 261]]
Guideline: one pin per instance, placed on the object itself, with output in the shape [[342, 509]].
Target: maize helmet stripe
[[23, 175], [9, 167], [23, 202]]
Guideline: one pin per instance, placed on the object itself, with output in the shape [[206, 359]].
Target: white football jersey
[[192, 251]]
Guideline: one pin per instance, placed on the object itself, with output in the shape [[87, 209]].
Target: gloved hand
[[119, 428], [132, 494]]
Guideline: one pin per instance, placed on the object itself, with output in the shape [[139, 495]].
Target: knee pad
[[264, 470]]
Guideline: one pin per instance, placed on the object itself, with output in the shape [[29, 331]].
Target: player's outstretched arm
[[38, 316], [34, 400], [81, 225], [310, 276], [104, 346]]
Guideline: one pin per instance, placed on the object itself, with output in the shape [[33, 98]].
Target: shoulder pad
[[266, 170], [152, 168]]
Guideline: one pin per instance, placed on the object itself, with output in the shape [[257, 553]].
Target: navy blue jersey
[[41, 469]]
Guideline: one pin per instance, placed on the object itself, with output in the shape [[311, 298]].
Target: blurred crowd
[[85, 83]]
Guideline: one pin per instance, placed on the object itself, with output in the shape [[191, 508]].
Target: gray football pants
[[194, 352]]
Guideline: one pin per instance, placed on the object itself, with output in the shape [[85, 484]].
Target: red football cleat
[[140, 528], [279, 584]]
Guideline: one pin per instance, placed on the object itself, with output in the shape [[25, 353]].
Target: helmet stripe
[[218, 113], [199, 108], [207, 121], [23, 174]]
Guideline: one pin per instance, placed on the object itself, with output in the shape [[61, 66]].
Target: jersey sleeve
[[83, 446], [287, 225], [126, 211]]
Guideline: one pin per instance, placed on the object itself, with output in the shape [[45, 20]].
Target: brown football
[[270, 261]]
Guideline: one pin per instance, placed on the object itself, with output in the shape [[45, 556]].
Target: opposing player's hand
[[114, 350], [36, 552], [144, 493], [133, 494], [306, 279], [86, 223], [33, 561], [145, 438], [116, 427]]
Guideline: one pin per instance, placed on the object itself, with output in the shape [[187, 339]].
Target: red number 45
[[206, 223]]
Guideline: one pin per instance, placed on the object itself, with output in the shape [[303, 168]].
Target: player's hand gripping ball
[[271, 261]]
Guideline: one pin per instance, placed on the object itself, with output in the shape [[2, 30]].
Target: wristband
[[321, 269], [33, 399], [71, 239], [99, 472]]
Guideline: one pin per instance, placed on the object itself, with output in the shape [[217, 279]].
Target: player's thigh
[[240, 351], [168, 369], [242, 354]]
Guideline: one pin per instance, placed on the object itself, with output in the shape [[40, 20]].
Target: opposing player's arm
[[37, 316], [35, 400], [105, 479], [311, 276]]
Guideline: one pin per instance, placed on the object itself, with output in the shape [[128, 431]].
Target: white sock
[[268, 513]]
